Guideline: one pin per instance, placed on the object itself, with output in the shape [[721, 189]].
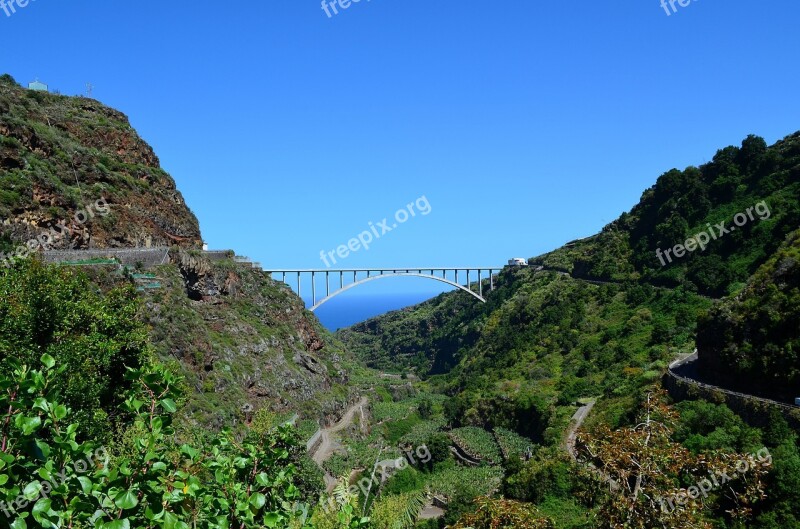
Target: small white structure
[[205, 246], [39, 87], [517, 261]]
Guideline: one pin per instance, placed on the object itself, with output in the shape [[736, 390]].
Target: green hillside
[[602, 318], [751, 343], [160, 395]]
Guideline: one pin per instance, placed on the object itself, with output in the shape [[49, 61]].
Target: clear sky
[[524, 124]]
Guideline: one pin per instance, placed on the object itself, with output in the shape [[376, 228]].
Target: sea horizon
[[350, 310]]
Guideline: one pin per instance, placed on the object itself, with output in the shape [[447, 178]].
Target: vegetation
[[512, 445], [151, 481], [491, 514], [602, 318], [656, 482], [752, 342], [114, 416], [51, 311], [476, 443]]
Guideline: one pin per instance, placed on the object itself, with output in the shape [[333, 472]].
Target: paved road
[[575, 424], [685, 368]]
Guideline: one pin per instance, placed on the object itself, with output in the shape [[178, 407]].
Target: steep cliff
[[751, 342], [60, 155], [75, 175]]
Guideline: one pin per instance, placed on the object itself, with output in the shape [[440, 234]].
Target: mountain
[[74, 175], [89, 350], [602, 315], [59, 155]]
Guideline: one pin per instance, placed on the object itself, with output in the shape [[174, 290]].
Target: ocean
[[348, 310]]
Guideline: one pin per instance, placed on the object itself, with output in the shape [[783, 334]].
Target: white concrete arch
[[395, 274]]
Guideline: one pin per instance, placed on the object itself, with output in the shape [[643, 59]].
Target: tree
[[425, 408], [656, 482], [503, 514], [46, 309]]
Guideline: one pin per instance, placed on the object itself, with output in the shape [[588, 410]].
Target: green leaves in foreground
[[49, 479]]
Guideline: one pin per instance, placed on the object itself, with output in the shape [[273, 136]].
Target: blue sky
[[525, 124]]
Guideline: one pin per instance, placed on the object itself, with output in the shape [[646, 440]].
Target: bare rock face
[[59, 155], [197, 275], [310, 363]]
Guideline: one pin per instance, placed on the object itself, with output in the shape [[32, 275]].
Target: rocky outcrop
[[59, 154], [241, 341]]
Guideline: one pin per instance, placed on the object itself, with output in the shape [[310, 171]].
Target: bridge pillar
[[480, 284], [313, 289]]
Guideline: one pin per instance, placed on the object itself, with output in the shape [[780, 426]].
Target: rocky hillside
[[242, 341], [59, 155]]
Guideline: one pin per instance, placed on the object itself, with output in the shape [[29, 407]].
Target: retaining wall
[[754, 410], [313, 444], [127, 256]]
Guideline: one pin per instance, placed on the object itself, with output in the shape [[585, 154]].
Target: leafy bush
[[47, 476], [483, 480], [491, 514], [397, 511], [421, 433], [44, 309], [7, 79]]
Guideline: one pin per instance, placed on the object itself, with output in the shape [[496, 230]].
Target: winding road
[[328, 444], [575, 424], [685, 368]]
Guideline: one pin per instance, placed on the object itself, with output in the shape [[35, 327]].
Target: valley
[[571, 390]]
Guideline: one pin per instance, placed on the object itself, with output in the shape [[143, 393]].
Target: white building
[[39, 87], [517, 261]]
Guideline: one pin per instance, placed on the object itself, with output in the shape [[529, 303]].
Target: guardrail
[[750, 407], [694, 357]]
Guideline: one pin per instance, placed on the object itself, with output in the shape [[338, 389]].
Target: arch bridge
[[468, 279]]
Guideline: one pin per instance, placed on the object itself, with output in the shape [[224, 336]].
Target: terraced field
[[512, 444], [477, 443]]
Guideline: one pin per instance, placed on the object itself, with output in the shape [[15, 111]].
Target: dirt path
[[328, 443], [430, 512], [575, 424]]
